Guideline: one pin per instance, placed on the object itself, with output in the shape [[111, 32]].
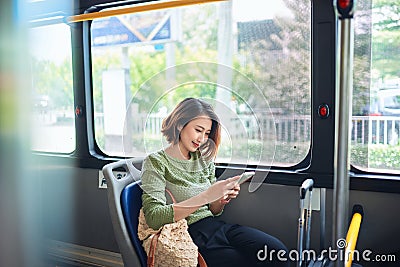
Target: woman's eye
[[197, 130]]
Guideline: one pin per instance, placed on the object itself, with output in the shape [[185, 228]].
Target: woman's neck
[[174, 151]]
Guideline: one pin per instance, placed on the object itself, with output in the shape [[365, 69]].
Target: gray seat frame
[[114, 188]]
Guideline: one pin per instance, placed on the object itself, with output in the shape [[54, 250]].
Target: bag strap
[[170, 194], [154, 240], [152, 252], [201, 261]]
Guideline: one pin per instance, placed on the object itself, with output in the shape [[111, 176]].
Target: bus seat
[[124, 199]]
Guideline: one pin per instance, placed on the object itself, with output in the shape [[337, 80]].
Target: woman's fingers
[[225, 201], [224, 189], [234, 178], [232, 182], [233, 195], [237, 187]]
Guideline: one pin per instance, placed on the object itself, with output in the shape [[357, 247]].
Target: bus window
[[253, 64], [376, 92], [52, 89]]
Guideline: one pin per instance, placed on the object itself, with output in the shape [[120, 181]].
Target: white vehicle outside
[[389, 102]]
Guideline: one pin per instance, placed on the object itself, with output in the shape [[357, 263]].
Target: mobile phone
[[245, 176]]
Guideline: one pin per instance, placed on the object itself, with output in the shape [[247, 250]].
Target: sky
[[50, 42], [243, 10]]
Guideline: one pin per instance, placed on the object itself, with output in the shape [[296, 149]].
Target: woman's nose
[[201, 137]]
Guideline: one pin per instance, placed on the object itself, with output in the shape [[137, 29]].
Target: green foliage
[[54, 81], [203, 25], [389, 18], [385, 157], [283, 74], [247, 151], [376, 156], [386, 43], [239, 151], [194, 90], [263, 152], [143, 67]]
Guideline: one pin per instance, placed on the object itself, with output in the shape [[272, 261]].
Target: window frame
[[301, 165], [318, 163]]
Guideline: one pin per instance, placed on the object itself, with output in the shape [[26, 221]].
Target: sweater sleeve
[[211, 172], [213, 179], [156, 211]]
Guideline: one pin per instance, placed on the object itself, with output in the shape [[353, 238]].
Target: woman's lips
[[195, 145]]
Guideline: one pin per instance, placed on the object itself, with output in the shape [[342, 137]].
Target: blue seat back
[[131, 202]]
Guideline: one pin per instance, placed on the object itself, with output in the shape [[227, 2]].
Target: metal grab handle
[[307, 185]]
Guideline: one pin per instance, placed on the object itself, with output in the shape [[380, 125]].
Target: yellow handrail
[[351, 238], [138, 8]]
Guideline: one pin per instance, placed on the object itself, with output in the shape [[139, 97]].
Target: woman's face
[[194, 134]]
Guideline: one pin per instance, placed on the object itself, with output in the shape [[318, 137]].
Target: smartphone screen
[[245, 176]]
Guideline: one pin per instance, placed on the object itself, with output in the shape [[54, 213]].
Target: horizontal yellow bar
[[139, 8]]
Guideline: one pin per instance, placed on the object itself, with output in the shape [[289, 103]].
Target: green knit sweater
[[183, 178]]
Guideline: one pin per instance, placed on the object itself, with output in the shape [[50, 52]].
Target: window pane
[[252, 64], [376, 105], [52, 89]]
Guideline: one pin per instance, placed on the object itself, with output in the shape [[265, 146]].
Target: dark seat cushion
[[131, 202]]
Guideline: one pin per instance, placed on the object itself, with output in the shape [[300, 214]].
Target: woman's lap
[[224, 244]]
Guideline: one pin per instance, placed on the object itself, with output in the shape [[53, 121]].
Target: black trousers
[[223, 244]]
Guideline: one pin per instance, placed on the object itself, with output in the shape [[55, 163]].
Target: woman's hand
[[216, 195], [226, 199], [222, 189], [218, 205]]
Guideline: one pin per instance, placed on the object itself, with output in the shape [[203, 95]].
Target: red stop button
[[344, 3], [323, 111]]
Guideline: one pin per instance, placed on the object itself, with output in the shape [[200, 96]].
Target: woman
[[187, 170]]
